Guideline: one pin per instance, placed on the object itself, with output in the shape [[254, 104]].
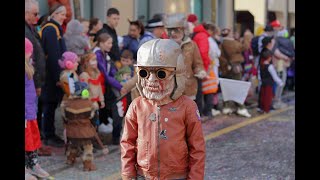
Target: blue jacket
[[53, 49], [133, 44], [108, 70], [30, 99]]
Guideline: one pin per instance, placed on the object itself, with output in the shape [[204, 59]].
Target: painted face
[[93, 63], [175, 34], [157, 83], [126, 76]]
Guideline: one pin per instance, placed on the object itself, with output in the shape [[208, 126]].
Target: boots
[[88, 166], [87, 158], [71, 156]]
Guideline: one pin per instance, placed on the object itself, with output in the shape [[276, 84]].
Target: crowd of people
[[93, 54]]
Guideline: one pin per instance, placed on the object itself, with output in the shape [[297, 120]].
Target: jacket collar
[[185, 40]]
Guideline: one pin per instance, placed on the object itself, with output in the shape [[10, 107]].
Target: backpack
[[255, 45], [52, 25]]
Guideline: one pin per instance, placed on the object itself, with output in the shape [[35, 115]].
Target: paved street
[[262, 147]]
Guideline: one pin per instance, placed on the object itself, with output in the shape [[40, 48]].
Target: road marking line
[[244, 123], [117, 175]]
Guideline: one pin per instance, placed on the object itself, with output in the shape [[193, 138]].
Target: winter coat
[[194, 65], [115, 52], [53, 49], [108, 70], [163, 142], [30, 99], [38, 56], [76, 43], [231, 53], [201, 39], [133, 44]]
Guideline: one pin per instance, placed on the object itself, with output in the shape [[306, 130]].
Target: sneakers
[[243, 112], [215, 112], [226, 110], [39, 172], [279, 105], [28, 175], [105, 128]]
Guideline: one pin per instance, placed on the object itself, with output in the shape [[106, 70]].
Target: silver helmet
[[158, 53], [163, 53], [175, 20]]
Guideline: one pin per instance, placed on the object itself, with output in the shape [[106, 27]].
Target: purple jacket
[[109, 75], [30, 99]]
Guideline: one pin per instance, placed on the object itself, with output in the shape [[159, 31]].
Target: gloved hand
[[201, 74]]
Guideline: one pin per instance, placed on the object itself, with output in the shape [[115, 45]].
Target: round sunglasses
[[160, 73]]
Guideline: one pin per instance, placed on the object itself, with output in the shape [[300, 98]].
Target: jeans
[[279, 89]]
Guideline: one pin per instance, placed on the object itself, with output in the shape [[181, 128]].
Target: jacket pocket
[[143, 154], [180, 157]]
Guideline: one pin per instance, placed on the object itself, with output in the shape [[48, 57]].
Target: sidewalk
[[56, 162]]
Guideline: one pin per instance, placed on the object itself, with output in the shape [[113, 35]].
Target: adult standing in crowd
[[200, 37], [113, 17], [95, 26], [156, 27], [39, 62], [230, 61], [54, 46], [175, 24], [136, 37], [214, 54]]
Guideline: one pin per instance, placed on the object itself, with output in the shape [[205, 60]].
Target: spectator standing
[[54, 46], [230, 61], [113, 17]]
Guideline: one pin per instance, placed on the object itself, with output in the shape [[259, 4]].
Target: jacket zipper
[[158, 108]]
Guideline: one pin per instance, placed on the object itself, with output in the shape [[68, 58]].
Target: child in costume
[[32, 135], [77, 110], [162, 136], [268, 78], [92, 76]]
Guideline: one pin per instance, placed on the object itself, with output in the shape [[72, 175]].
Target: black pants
[[208, 104], [48, 127], [199, 97]]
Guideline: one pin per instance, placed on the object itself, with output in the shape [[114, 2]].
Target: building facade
[[235, 14]]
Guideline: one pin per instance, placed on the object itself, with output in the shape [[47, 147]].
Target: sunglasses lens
[[161, 74], [143, 73]]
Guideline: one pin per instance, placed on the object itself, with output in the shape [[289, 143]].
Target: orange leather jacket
[[163, 142]]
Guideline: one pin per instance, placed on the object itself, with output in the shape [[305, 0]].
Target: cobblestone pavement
[[262, 150]]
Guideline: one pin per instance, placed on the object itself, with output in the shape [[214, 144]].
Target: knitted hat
[[121, 71], [28, 46], [192, 18], [68, 60], [275, 23]]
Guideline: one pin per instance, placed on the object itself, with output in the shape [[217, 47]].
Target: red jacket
[[201, 39], [163, 142]]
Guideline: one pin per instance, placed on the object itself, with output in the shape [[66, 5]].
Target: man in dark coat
[[113, 17]]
